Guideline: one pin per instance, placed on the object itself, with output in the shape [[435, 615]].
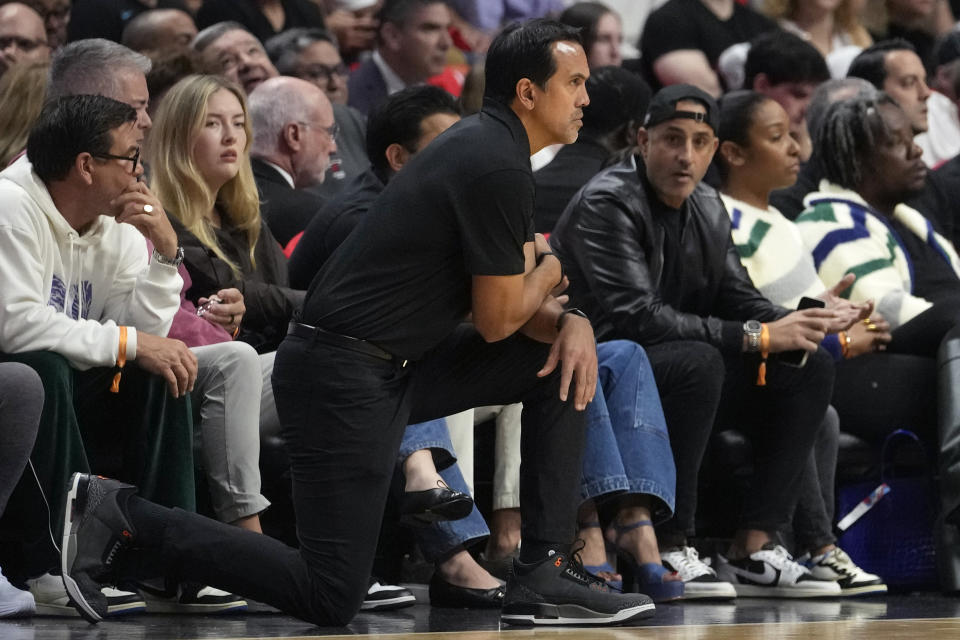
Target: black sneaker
[[190, 598], [96, 529], [386, 597], [558, 590]]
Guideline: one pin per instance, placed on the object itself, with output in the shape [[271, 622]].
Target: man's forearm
[[542, 327]]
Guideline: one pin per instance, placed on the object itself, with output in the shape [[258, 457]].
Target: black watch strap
[[574, 311]]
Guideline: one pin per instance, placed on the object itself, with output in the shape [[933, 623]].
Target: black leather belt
[[327, 337]]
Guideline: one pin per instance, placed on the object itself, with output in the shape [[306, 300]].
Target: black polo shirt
[[462, 207], [335, 221]]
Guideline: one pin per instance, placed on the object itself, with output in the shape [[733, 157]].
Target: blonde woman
[[200, 163], [22, 91]]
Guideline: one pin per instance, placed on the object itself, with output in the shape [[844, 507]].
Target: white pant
[[227, 397], [506, 470]]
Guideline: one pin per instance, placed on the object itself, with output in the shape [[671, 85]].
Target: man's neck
[[72, 206], [282, 164], [723, 9], [394, 66], [879, 200]]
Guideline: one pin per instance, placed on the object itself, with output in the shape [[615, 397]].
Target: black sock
[[532, 551]]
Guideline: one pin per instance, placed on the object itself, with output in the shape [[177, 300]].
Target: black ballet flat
[[444, 594], [423, 508]]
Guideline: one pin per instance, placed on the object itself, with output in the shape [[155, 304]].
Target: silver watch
[[173, 262], [752, 329]]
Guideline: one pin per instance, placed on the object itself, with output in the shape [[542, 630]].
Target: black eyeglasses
[[135, 158], [333, 130], [324, 72], [24, 44]]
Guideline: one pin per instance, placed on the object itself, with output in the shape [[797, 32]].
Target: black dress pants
[[699, 387], [343, 415]]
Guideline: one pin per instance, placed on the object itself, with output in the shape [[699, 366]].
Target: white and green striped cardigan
[[844, 235], [773, 252]]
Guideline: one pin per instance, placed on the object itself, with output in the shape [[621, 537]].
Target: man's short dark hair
[[397, 11], [398, 120], [784, 57], [72, 125], [524, 51], [871, 63], [284, 49]]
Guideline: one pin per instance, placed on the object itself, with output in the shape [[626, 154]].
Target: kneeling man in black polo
[[384, 340]]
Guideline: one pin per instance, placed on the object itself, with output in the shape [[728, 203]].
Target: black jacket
[[612, 250], [269, 300], [287, 211]]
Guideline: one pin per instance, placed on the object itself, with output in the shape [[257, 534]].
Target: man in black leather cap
[[649, 255]]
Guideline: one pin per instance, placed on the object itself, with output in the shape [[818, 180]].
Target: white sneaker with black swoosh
[[772, 573]]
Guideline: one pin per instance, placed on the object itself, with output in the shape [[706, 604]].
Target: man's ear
[[397, 156], [761, 83], [85, 167], [292, 136], [643, 141], [525, 94], [390, 36]]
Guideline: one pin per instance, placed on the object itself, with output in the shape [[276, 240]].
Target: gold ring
[[871, 327], [868, 321], [148, 208]]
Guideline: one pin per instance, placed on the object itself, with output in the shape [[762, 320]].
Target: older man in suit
[[294, 136]]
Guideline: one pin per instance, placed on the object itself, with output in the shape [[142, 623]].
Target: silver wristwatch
[[173, 262], [752, 329]]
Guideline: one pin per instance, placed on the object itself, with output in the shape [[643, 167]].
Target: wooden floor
[[895, 617]]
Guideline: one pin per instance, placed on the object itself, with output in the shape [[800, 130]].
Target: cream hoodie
[[68, 293]]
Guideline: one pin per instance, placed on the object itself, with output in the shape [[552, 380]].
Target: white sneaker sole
[[550, 614], [872, 589], [751, 591], [389, 603], [708, 591], [67, 549], [165, 606]]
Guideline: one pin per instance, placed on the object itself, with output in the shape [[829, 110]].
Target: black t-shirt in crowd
[[689, 24], [330, 227], [671, 221], [557, 182], [933, 277], [462, 207]]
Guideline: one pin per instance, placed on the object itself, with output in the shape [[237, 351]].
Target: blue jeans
[[439, 539], [627, 448]]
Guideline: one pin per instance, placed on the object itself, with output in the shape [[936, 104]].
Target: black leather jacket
[[612, 250]]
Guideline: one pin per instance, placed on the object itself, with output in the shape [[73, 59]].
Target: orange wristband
[[844, 344], [764, 354], [121, 360]]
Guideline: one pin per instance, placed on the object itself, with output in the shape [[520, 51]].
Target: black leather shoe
[[444, 594], [423, 508]]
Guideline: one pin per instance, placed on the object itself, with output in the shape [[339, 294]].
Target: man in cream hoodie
[[80, 288]]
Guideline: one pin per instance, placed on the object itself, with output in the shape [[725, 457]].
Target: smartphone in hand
[[798, 358]]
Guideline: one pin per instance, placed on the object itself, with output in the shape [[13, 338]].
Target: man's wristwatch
[[162, 259], [576, 312], [752, 330]]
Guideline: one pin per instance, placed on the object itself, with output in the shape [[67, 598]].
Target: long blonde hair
[[845, 18], [23, 89], [175, 178]]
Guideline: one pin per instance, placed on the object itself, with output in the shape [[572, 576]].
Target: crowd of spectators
[[668, 218]]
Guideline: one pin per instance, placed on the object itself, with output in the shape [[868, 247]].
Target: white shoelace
[[686, 562]]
